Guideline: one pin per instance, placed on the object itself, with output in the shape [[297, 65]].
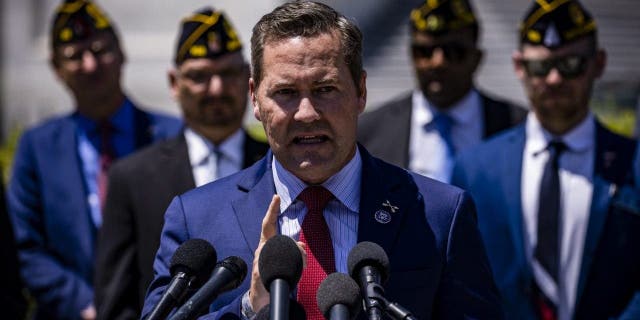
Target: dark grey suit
[[140, 189], [385, 131]]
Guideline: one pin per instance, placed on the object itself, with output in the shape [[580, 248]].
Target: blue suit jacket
[[609, 279], [47, 199], [438, 264]]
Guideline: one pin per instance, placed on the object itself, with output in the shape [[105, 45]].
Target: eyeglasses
[[99, 50], [452, 51], [570, 66]]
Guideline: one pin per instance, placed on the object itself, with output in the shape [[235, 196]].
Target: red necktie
[[107, 156], [320, 259]]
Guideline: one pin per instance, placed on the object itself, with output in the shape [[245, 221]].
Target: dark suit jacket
[[140, 189], [47, 200], [438, 264], [609, 280], [385, 131], [12, 301]]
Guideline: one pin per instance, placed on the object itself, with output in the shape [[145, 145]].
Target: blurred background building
[[29, 91]]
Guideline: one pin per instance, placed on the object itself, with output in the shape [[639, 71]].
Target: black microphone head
[[280, 258], [339, 288], [195, 257], [296, 312], [238, 267], [368, 254]]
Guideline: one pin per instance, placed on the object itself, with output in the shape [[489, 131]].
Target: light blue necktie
[[443, 123]]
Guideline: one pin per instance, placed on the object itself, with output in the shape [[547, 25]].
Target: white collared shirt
[[341, 213], [576, 167], [427, 149], [204, 163]]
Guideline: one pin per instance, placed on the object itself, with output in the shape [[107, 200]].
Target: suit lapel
[[612, 166], [142, 126], [597, 216], [381, 186], [402, 119], [253, 150], [250, 209], [511, 164], [178, 168], [68, 171]]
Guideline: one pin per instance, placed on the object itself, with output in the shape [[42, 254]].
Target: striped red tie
[[107, 155], [320, 259]]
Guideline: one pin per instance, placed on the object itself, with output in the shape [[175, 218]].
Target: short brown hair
[[306, 19]]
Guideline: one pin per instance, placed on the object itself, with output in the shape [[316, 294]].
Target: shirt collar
[[121, 121], [344, 185], [200, 148], [578, 139], [462, 112]]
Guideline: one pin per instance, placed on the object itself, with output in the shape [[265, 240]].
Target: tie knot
[[443, 121], [315, 198], [556, 148]]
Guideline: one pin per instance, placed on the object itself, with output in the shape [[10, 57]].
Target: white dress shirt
[[204, 160], [576, 165], [427, 149], [341, 212]]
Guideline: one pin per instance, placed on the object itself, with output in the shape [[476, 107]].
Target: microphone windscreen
[[196, 257], [368, 254], [339, 288], [280, 258], [296, 312], [237, 266]]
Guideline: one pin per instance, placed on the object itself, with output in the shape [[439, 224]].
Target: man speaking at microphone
[[318, 186]]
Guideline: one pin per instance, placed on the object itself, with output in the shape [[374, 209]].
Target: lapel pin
[[382, 216], [391, 207]]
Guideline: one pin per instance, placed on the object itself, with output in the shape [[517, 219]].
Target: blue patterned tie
[[443, 123]]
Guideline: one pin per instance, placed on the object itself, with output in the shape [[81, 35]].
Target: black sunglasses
[[570, 66], [452, 51]]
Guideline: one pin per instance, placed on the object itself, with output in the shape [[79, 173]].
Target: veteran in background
[[210, 81], [557, 207], [423, 129], [59, 178]]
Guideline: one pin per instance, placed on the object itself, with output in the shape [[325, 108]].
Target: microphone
[[296, 312], [339, 297], [280, 265], [190, 265], [368, 264], [227, 275]]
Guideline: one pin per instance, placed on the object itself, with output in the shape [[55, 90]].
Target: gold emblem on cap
[[576, 14], [459, 8], [66, 34], [432, 3], [534, 36], [198, 50], [435, 22], [234, 42], [101, 20]]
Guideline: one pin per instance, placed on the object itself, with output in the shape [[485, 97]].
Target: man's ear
[[254, 100], [362, 85], [55, 65], [172, 76], [601, 62], [516, 58], [478, 55]]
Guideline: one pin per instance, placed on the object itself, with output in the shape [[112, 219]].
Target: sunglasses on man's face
[[452, 51], [570, 66]]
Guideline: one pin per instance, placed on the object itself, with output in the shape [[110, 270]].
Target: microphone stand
[[376, 303]]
